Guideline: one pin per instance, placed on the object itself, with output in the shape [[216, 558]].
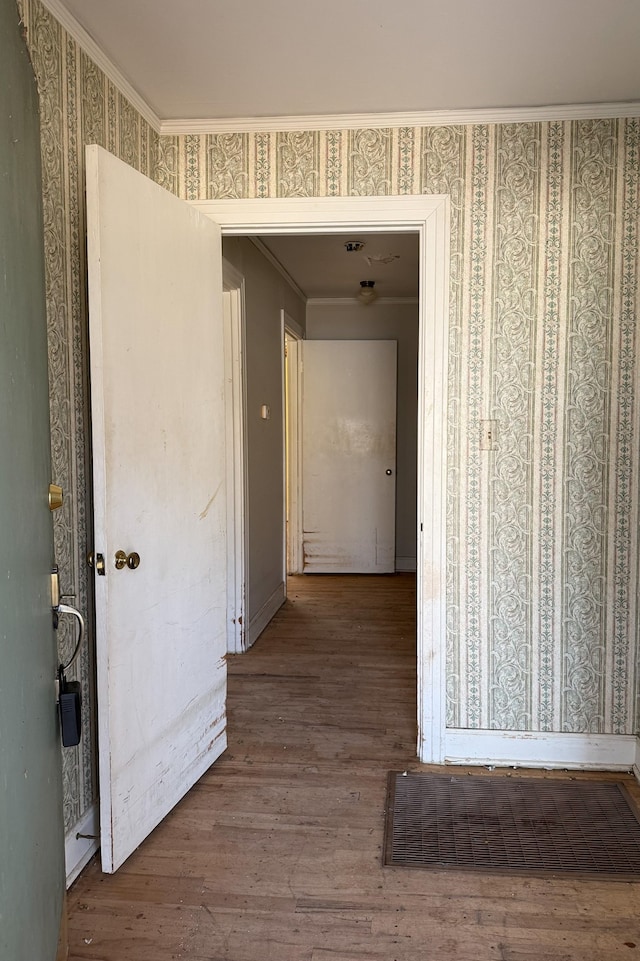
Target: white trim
[[273, 260], [79, 851], [604, 752], [351, 301], [416, 118], [325, 215], [293, 467], [408, 564], [235, 408], [283, 425], [433, 350], [268, 610], [636, 766], [428, 216], [69, 23]]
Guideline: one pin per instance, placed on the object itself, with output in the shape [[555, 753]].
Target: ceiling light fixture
[[367, 294]]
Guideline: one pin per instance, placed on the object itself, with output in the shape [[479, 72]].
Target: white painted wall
[[381, 321], [266, 294]]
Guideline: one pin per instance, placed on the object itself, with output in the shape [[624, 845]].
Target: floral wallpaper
[[543, 532], [78, 105]]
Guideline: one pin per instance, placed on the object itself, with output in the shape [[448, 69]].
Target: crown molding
[[429, 118], [350, 301], [356, 121], [69, 23], [264, 250]]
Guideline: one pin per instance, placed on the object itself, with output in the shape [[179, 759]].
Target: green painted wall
[[31, 838]]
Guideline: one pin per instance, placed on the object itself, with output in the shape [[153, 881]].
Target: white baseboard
[[604, 752], [405, 564], [79, 851], [270, 607], [636, 766]]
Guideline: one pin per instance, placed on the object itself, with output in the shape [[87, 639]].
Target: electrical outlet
[[488, 435]]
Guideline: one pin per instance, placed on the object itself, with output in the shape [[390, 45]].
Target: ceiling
[[250, 58], [322, 267], [237, 60]]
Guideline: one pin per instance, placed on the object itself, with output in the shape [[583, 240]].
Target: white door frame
[[429, 217], [293, 446], [235, 407]]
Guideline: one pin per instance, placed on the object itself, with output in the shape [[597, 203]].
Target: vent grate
[[512, 825]]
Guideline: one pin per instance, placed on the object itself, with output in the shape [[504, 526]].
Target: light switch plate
[[488, 435]]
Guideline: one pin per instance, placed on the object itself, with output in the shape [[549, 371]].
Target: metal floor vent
[[512, 825]]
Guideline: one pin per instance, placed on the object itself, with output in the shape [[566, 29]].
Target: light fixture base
[[367, 294]]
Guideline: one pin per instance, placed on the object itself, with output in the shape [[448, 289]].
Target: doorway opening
[[429, 217]]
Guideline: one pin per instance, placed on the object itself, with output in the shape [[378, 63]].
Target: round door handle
[[132, 560], [388, 472]]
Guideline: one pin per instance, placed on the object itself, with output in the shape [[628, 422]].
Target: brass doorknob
[[132, 560]]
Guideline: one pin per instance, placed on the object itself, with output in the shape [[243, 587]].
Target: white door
[[157, 386], [348, 456]]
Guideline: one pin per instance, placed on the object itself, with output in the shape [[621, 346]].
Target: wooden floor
[[275, 855]]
